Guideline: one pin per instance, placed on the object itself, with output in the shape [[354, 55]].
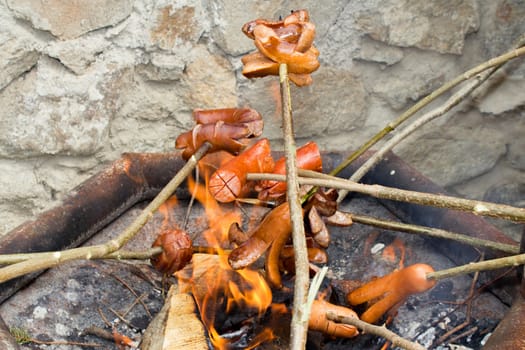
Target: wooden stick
[[492, 264], [300, 313], [376, 330], [435, 232], [437, 200]]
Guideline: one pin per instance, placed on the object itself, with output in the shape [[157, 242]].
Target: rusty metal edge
[[90, 207]]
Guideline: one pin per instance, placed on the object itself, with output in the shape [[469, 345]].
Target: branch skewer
[[300, 312], [435, 232], [376, 330], [491, 264], [437, 200]]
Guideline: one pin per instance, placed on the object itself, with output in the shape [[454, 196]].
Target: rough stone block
[[70, 19]]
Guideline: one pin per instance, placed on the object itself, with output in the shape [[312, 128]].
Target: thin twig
[[300, 314], [132, 291], [97, 251], [435, 232], [23, 337], [409, 228], [380, 331], [482, 208], [7, 259], [494, 62], [317, 280], [492, 264]]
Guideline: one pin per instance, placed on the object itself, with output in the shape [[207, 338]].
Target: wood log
[[176, 326]]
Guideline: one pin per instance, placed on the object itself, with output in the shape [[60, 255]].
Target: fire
[[230, 301], [219, 219], [389, 253]]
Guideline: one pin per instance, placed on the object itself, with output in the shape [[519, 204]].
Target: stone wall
[[83, 81]]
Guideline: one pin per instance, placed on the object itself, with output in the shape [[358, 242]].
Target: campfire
[[272, 253]]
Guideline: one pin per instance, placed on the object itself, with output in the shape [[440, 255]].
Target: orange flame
[[219, 219], [166, 210], [389, 253], [233, 290]]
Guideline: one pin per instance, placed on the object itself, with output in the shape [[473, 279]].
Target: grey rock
[[78, 54], [21, 196], [15, 58], [516, 155], [210, 81], [342, 42], [503, 25], [52, 111], [375, 51], [503, 97], [162, 67], [416, 75], [335, 102], [229, 16], [66, 19], [449, 160], [509, 193], [18, 53], [431, 25], [152, 113], [176, 27]]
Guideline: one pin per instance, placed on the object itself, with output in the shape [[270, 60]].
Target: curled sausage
[[316, 255], [271, 266], [308, 157], [247, 117], [229, 180], [275, 224], [236, 235], [318, 228], [392, 289], [213, 161], [319, 322], [282, 51], [339, 218], [287, 28], [225, 129], [176, 252], [287, 41], [256, 65]]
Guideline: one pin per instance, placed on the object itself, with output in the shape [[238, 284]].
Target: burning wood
[[231, 302]]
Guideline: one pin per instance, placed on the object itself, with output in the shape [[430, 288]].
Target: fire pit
[[71, 303]]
